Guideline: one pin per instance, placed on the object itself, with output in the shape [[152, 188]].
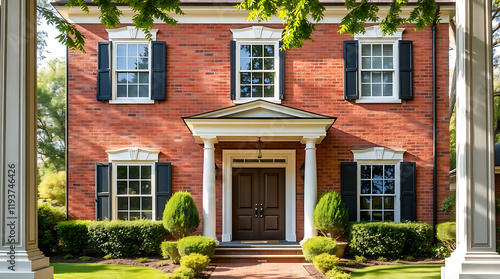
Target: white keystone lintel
[[128, 33], [257, 32], [133, 154]]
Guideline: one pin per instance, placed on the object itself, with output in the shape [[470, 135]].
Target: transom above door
[[258, 204]]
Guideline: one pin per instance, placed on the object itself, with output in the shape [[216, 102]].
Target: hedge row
[[390, 239]]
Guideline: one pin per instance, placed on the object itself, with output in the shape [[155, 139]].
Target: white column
[[475, 256], [209, 188], [310, 187], [19, 253]]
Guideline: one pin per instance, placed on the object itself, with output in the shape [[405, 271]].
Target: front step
[[259, 253]]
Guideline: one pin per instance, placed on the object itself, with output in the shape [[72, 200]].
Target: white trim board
[[290, 186]]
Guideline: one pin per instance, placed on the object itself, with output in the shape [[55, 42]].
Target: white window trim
[[263, 36], [128, 34], [380, 156], [373, 35], [132, 156]]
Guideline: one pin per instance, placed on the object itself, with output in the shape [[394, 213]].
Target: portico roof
[[249, 121]]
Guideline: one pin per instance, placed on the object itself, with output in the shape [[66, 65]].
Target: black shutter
[[103, 191], [158, 70], [282, 72], [163, 187], [349, 188], [408, 191], [103, 71], [405, 70], [232, 56], [351, 70]]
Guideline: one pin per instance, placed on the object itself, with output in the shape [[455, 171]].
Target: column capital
[[210, 139], [309, 139]]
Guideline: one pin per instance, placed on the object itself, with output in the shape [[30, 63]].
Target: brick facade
[[198, 81]]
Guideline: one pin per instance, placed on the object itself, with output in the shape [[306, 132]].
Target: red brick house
[[214, 107]]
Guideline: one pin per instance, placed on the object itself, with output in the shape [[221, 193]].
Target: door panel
[[258, 204]]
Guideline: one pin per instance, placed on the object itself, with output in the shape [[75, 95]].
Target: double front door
[[259, 204]]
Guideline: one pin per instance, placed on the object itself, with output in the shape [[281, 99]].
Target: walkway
[[260, 270]]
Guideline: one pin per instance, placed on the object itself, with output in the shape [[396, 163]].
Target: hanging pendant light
[[259, 146]]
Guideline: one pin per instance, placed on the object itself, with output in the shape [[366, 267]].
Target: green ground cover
[[104, 271], [426, 271]]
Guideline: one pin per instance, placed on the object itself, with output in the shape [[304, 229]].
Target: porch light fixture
[[303, 170], [259, 146], [216, 169]]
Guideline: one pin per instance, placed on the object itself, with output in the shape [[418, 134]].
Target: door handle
[[256, 213], [261, 211]]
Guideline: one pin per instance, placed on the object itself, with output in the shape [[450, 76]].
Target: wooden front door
[[258, 204]]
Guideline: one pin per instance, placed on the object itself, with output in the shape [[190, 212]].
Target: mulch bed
[[152, 262], [371, 262]]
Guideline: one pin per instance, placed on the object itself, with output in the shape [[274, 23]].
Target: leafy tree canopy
[[299, 16]]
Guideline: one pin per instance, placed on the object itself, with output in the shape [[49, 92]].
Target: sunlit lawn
[[426, 271], [104, 271]]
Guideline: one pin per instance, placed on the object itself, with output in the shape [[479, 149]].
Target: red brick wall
[[198, 72]]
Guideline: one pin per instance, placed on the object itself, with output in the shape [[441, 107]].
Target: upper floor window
[[377, 70], [257, 65], [132, 70]]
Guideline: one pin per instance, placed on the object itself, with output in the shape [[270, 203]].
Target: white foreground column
[[209, 221], [475, 256], [310, 187], [19, 253]]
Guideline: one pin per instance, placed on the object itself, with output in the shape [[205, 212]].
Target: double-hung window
[[377, 192], [134, 191], [132, 71], [377, 70]]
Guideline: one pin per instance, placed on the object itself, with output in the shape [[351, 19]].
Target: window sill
[[248, 100], [378, 101], [132, 102]]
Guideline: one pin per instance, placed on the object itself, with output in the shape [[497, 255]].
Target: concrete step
[[259, 253], [262, 258]]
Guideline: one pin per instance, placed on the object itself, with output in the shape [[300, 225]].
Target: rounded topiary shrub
[[318, 245], [196, 262], [325, 262], [196, 244], [181, 216], [169, 251], [330, 215]]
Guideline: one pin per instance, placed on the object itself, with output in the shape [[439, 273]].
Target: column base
[[471, 265], [25, 265]]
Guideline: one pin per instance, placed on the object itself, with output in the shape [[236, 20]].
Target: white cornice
[[376, 32], [378, 153], [129, 32], [133, 154], [257, 32]]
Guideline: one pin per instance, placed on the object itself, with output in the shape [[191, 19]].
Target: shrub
[[361, 259], [330, 215], [141, 260], [162, 263], [196, 262], [382, 259], [409, 258], [398, 261], [440, 251], [448, 205], [428, 259], [74, 236], [350, 264], [109, 257], [85, 258], [53, 187], [418, 238], [196, 244], [182, 273], [446, 233], [68, 256], [126, 238], [48, 217], [337, 273], [181, 216], [318, 245], [169, 251], [325, 262]]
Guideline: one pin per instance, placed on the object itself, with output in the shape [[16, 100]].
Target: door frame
[[290, 185]]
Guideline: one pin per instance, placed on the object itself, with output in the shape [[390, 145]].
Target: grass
[[425, 271], [104, 271]]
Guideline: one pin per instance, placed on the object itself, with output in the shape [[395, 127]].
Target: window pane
[[121, 187], [388, 63], [122, 203], [377, 77], [145, 172], [366, 50], [257, 51], [366, 63], [257, 91], [122, 78], [387, 50], [365, 77], [143, 50], [143, 91], [257, 78], [387, 77], [121, 50], [245, 78], [122, 215], [389, 187], [377, 50], [387, 89], [135, 203], [388, 216], [376, 215], [132, 77], [366, 90], [121, 91], [366, 187], [268, 63], [244, 51], [133, 172], [131, 63], [245, 92], [376, 90], [132, 50], [269, 51], [366, 172], [145, 187], [132, 91], [143, 77], [245, 64], [133, 187], [377, 202], [147, 203], [377, 62], [378, 172], [121, 172], [377, 186], [365, 202], [135, 215], [269, 91], [268, 78], [143, 63], [257, 63], [121, 63], [388, 202], [364, 215]]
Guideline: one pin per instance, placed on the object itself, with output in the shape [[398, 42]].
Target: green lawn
[[104, 271], [426, 271]]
